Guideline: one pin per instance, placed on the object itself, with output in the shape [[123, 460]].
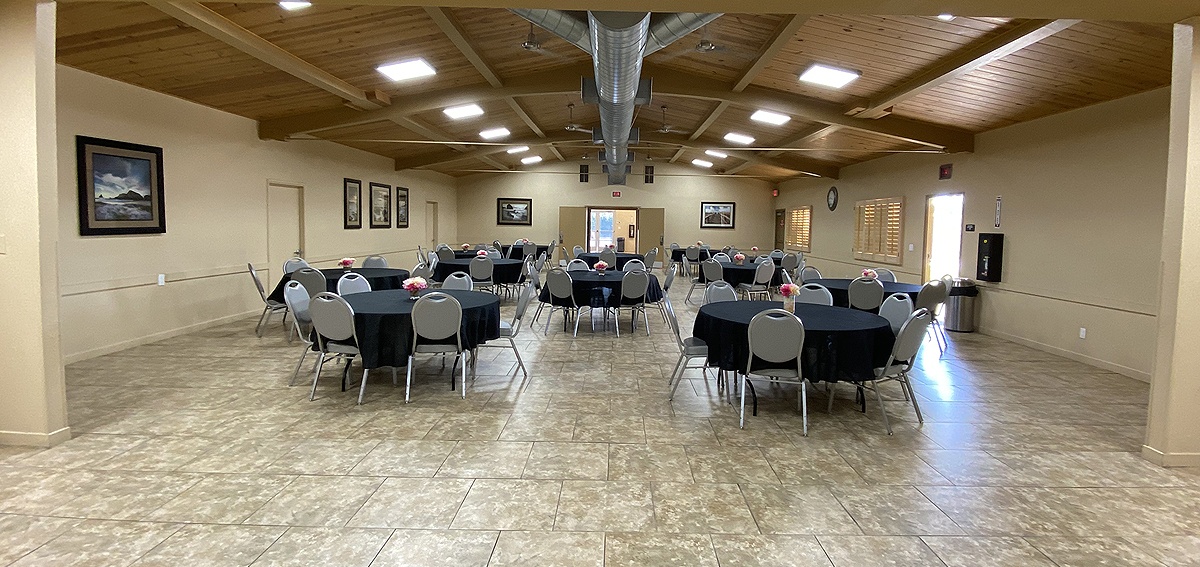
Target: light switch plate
[[162, 279], [911, 247]]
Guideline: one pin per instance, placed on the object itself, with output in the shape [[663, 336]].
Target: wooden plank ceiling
[[911, 62]]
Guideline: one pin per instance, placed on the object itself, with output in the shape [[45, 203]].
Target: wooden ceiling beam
[[429, 132], [480, 152], [804, 137], [217, 26], [959, 64]]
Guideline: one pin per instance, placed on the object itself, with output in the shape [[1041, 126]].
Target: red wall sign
[[616, 194]]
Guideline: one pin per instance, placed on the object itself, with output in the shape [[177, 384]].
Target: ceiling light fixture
[[292, 6], [739, 138], [494, 133], [716, 154], [701, 163], [404, 70], [946, 17], [517, 150], [464, 111], [531, 160], [828, 76], [770, 117]]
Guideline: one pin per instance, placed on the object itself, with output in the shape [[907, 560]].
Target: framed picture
[[716, 215], [514, 211], [120, 187], [402, 207], [352, 205], [632, 231], [381, 205]]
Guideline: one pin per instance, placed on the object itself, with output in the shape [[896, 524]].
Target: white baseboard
[[1091, 361], [117, 347], [31, 439], [1170, 459]]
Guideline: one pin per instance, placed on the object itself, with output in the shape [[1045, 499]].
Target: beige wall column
[[32, 388], [1173, 432]]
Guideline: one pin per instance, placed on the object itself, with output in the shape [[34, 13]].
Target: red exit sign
[[616, 194]]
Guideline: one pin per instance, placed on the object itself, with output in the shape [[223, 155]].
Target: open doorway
[[943, 235], [612, 227]]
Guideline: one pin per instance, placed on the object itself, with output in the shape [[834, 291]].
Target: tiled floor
[[194, 451]]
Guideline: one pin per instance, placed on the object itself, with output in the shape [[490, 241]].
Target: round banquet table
[[622, 258], [465, 254], [379, 278], [506, 249], [504, 271], [383, 321], [603, 291], [678, 254], [839, 343], [841, 295], [744, 274]]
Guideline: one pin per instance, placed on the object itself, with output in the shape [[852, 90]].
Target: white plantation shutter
[[878, 230], [799, 229]]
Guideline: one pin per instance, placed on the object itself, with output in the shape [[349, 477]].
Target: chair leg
[[519, 361], [910, 394], [830, 392], [882, 410], [408, 378], [258, 329], [804, 405], [577, 321], [296, 372], [393, 375], [316, 374], [549, 316], [677, 376], [646, 320], [362, 386], [742, 421], [463, 381]]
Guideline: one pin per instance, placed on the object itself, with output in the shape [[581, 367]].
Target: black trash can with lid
[[960, 306]]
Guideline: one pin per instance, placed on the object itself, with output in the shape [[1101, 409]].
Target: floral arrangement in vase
[[754, 249], [739, 258], [601, 266], [789, 291], [699, 243], [525, 241], [415, 285], [466, 246], [346, 263], [869, 273], [481, 253]]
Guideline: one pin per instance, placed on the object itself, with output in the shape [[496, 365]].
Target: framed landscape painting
[[381, 205], [120, 187], [716, 215], [352, 203], [514, 211], [402, 207]]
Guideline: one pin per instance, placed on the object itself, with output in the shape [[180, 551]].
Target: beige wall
[[678, 189], [1082, 217], [216, 176]]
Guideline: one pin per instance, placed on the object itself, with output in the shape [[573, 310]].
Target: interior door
[[285, 225], [651, 231], [431, 224], [780, 227], [572, 227]]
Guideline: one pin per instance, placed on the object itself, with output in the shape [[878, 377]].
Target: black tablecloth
[[841, 295], [383, 321], [678, 254], [735, 274], [622, 258], [839, 343], [603, 291], [379, 278], [507, 248], [465, 254], [503, 271]]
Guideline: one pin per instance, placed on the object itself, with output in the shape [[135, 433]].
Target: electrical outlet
[[1083, 332], [162, 279]]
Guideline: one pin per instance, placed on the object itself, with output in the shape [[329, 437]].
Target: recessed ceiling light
[[531, 160], [518, 150], [946, 17], [494, 133], [405, 70], [739, 138], [828, 76], [701, 163], [716, 154], [464, 111], [290, 6], [770, 117]]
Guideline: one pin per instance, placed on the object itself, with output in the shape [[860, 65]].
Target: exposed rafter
[[799, 140], [429, 132], [220, 28]]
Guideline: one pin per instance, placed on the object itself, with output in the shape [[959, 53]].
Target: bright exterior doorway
[[612, 227], [943, 235]]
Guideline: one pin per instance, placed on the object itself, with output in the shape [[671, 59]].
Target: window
[[799, 229], [878, 230]]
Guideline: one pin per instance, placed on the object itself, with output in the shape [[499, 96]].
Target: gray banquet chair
[[809, 274], [352, 283], [710, 271], [634, 265], [510, 331], [896, 309], [691, 255], [609, 256], [436, 317], [577, 265], [294, 264], [815, 294], [904, 353], [633, 297], [661, 303], [297, 301], [333, 319], [270, 306], [790, 262], [776, 337], [651, 259], [421, 270], [932, 296], [762, 281], [481, 268], [722, 257], [562, 298], [865, 293], [718, 291], [575, 252], [375, 261], [690, 349], [312, 279], [459, 280], [884, 275], [444, 254]]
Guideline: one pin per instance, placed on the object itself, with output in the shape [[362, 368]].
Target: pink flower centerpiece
[[739, 258], [754, 249], [601, 266], [869, 273], [466, 246], [524, 241], [699, 243], [789, 291], [415, 285], [346, 263], [481, 253]]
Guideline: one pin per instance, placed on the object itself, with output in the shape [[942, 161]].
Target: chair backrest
[[712, 270], [815, 294], [865, 293], [494, 254], [705, 247], [576, 265], [496, 245], [764, 273], [896, 309], [785, 276], [312, 279], [436, 316], [445, 254], [692, 253], [667, 284], [948, 280], [911, 335], [527, 249], [884, 275], [481, 267], [541, 261], [674, 246], [481, 246], [332, 317], [670, 311], [777, 253], [609, 256], [294, 264], [422, 254], [577, 250], [722, 257], [651, 258], [352, 283], [422, 270], [790, 262], [764, 259], [559, 282], [262, 292], [718, 291], [809, 273], [459, 280], [297, 301], [634, 265], [522, 306], [375, 261], [932, 294], [775, 336], [442, 246], [634, 284], [733, 251]]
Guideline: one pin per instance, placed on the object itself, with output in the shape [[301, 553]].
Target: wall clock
[[832, 198]]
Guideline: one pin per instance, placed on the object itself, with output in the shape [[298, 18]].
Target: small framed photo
[[352, 203], [402, 207], [381, 205], [514, 211], [120, 188], [716, 215]]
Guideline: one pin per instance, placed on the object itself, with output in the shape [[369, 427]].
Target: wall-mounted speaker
[[991, 257], [649, 174], [583, 173]]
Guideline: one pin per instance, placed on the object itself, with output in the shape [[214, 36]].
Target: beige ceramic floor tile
[[404, 458], [730, 464], [486, 459], [986, 552], [666, 463], [605, 506], [99, 543], [318, 547], [317, 501], [509, 505], [412, 503], [894, 510], [228, 499], [21, 534], [437, 548], [701, 508], [878, 551], [212, 546], [655, 550], [770, 551], [553, 460], [549, 549]]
